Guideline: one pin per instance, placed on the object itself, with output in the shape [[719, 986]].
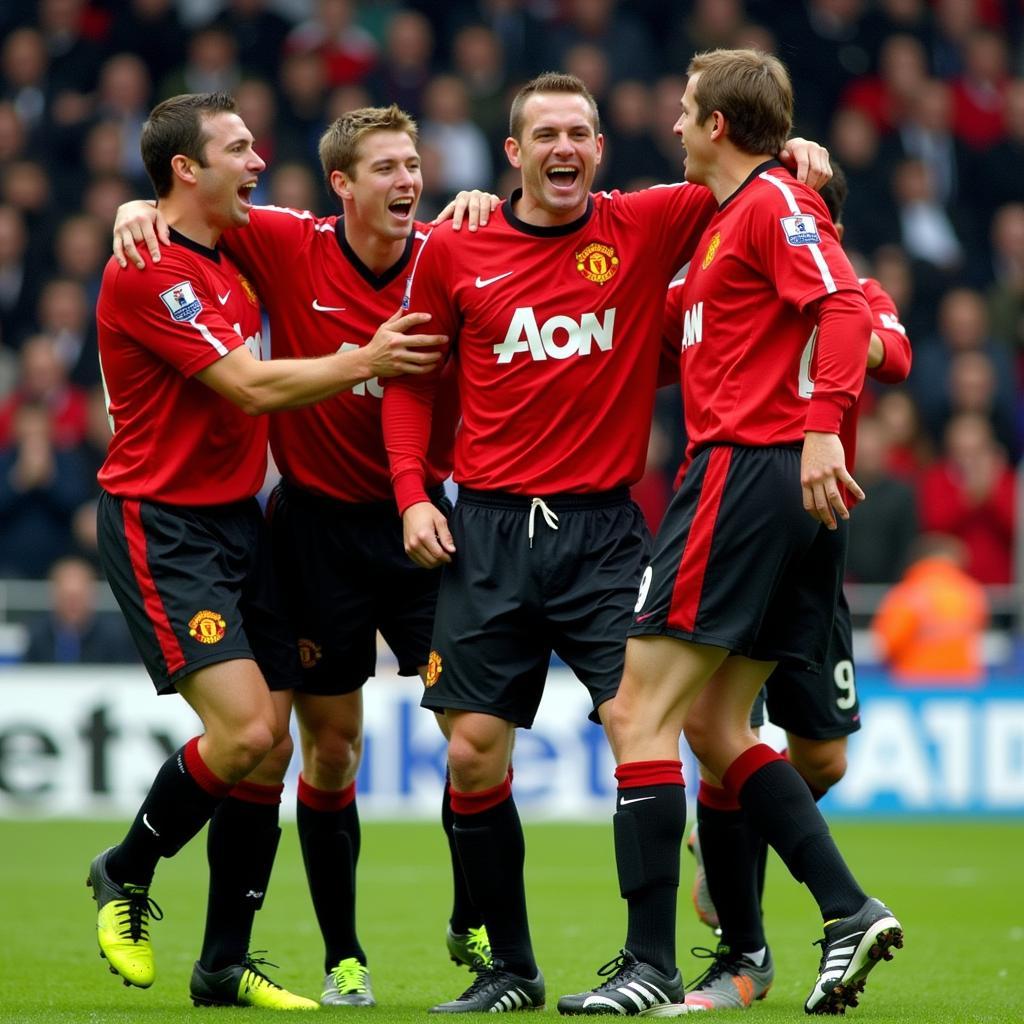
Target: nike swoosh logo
[[145, 817], [327, 309], [224, 298], [481, 283], [637, 799]]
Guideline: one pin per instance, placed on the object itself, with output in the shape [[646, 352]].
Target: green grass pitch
[[955, 885]]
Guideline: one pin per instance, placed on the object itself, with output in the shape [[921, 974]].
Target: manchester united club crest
[[310, 653], [597, 262], [207, 627], [250, 292], [434, 667], [709, 254]]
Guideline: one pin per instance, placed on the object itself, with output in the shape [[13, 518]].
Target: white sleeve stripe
[[794, 208], [204, 331], [297, 214]]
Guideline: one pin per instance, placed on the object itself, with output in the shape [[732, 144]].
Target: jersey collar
[[375, 281], [555, 230], [759, 169], [180, 239]]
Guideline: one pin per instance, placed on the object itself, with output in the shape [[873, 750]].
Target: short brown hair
[[752, 90], [176, 126], [339, 144], [549, 81]]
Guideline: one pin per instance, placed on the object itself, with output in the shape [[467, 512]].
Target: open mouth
[[401, 207], [562, 175], [245, 193]]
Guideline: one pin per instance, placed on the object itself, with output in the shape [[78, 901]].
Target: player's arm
[[139, 223], [844, 327], [808, 161], [258, 386], [889, 354], [475, 207]]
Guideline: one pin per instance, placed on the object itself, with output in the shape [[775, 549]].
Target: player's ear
[[340, 185], [512, 152], [183, 167]]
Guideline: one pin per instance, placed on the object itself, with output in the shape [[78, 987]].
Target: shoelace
[[135, 911], [616, 970], [722, 962], [350, 976], [549, 517], [478, 943], [488, 976], [254, 976]]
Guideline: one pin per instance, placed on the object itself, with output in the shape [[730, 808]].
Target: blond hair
[[339, 144]]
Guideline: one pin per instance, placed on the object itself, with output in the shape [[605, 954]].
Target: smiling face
[[694, 136], [381, 192], [230, 169], [557, 152]]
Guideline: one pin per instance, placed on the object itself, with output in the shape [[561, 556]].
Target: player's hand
[[809, 161], [822, 469], [476, 207], [428, 541], [392, 352], [136, 222]]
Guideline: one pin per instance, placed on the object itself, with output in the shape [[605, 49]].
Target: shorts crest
[[207, 627], [434, 668], [310, 653]]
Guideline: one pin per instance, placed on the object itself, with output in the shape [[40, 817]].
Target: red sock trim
[[649, 773], [257, 793], [477, 803], [716, 797], [205, 779], [751, 760], [325, 800]]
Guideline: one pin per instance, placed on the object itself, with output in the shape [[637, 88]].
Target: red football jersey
[[749, 339], [176, 440], [320, 298], [555, 332], [885, 322]]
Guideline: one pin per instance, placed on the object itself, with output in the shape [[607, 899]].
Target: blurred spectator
[[294, 185], [973, 387], [478, 59], [301, 120], [65, 315], [104, 193], [997, 177], [520, 30], [24, 82], [611, 29], [970, 494], [630, 153], [929, 626], [590, 64], [925, 133], [870, 213], [963, 327], [75, 633], [258, 32], [668, 91], [909, 448], [43, 384], [125, 96], [153, 30], [13, 138], [74, 59], [710, 25], [211, 65], [954, 21], [926, 230], [883, 527], [1006, 293], [979, 94], [41, 487], [403, 71], [887, 96], [348, 50], [465, 156], [81, 250], [25, 185], [18, 283]]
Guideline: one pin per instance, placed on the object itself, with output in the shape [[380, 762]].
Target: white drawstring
[[549, 517]]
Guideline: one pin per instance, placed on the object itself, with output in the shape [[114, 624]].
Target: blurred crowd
[[921, 101]]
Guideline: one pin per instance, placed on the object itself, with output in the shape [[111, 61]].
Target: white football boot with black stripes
[[496, 990], [633, 989], [852, 946]]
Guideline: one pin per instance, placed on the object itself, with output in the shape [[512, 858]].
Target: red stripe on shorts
[[682, 614], [136, 537]]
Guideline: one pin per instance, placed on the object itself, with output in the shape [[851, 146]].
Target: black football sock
[[181, 800], [329, 834], [489, 838], [729, 846], [465, 913], [240, 846], [780, 806], [649, 823]]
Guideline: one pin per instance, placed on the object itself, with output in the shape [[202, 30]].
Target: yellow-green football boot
[[122, 924], [471, 948], [244, 984]]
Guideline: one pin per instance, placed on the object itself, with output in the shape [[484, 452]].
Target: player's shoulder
[[776, 187], [285, 219]]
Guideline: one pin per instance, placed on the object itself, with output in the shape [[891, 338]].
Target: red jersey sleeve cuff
[[825, 416], [409, 489]]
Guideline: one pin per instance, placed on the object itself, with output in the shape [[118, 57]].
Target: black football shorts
[[507, 600], [196, 586]]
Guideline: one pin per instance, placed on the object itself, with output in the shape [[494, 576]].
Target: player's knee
[[821, 767], [248, 745], [276, 762], [474, 766], [335, 754]]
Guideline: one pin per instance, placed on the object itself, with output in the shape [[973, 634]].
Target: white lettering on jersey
[[693, 326], [557, 338], [371, 387], [254, 343], [805, 382], [892, 322]]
